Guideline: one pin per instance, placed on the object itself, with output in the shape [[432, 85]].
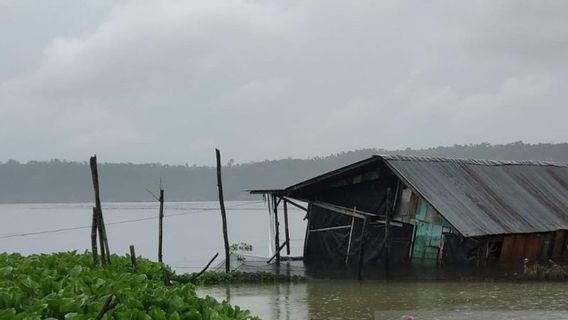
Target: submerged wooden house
[[402, 210]]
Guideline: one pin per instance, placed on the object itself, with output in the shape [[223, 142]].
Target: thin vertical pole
[[386, 241], [223, 213], [101, 239], [94, 238], [286, 227], [100, 219], [277, 224], [161, 226], [133, 258]]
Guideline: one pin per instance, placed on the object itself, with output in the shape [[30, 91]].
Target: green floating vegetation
[[67, 286], [212, 278]]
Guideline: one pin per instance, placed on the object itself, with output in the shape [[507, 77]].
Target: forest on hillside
[[64, 181]]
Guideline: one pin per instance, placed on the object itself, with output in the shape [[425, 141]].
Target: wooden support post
[[161, 226], [286, 228], [133, 258], [386, 240], [361, 251], [277, 225], [223, 213], [307, 236], [349, 243], [100, 219], [94, 238]]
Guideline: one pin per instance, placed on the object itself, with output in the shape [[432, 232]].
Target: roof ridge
[[400, 157]]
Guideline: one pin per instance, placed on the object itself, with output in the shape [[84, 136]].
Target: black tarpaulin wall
[[366, 190], [330, 247]]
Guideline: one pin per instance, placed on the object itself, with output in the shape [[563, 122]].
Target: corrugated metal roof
[[482, 197]]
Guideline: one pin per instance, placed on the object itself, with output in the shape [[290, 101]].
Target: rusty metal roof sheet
[[482, 197]]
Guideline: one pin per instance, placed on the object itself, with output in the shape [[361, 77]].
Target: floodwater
[[192, 230], [319, 299], [192, 234]]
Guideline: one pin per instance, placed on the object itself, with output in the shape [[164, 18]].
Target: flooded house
[[391, 210]]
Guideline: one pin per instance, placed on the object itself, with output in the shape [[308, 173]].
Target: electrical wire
[[123, 221]]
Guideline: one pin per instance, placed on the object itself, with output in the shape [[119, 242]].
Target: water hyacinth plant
[[67, 286]]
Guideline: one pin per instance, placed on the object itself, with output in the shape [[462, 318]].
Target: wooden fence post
[[100, 219], [94, 238], [223, 213], [133, 258], [161, 226], [101, 239]]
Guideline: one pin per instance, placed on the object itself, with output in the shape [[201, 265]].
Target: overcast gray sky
[[167, 81]]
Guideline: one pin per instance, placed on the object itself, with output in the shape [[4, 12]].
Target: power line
[[121, 222]]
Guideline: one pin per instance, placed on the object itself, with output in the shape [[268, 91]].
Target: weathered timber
[[277, 228], [361, 251], [386, 241], [277, 254], [100, 219], [133, 258], [204, 269], [94, 249], [161, 226], [287, 232], [109, 305], [223, 212]]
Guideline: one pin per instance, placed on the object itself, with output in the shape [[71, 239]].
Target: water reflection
[[323, 299]]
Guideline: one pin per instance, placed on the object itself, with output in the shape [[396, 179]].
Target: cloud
[[262, 79]]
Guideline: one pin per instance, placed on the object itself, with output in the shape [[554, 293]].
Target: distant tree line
[[64, 181]]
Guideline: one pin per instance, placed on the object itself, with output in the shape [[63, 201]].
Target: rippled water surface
[[394, 300]]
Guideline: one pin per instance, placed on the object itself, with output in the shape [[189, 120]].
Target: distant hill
[[62, 181]]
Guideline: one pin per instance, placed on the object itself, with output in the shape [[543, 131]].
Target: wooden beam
[[330, 228], [353, 213], [295, 204], [342, 210], [277, 254]]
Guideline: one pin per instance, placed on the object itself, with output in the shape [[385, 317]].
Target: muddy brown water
[[337, 299]]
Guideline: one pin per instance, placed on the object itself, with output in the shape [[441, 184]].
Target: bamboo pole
[[223, 212], [94, 238], [161, 227], [100, 219]]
